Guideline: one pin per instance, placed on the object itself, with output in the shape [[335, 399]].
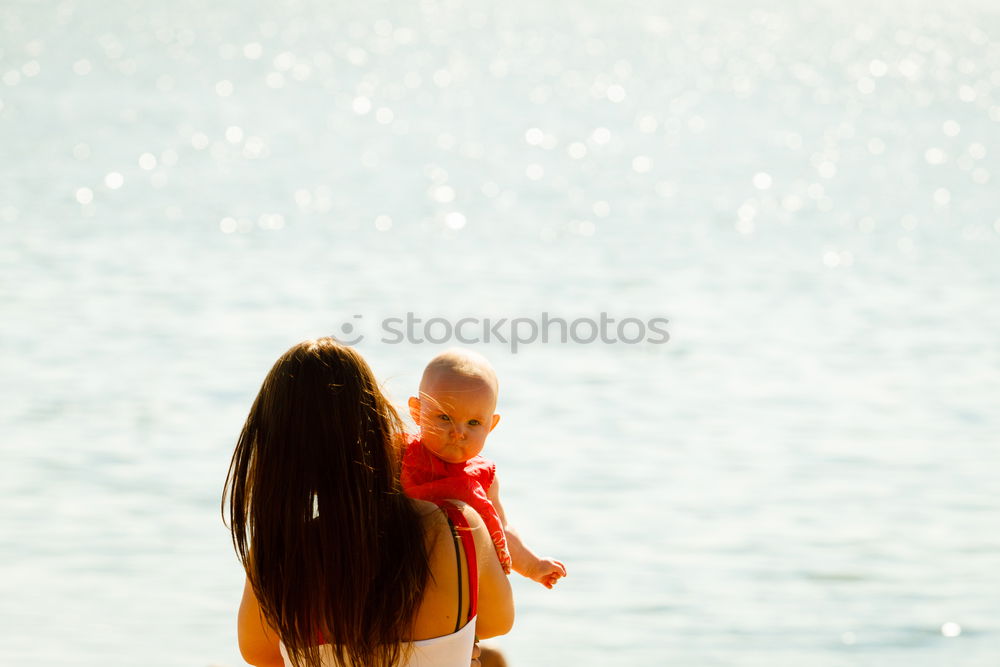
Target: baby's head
[[455, 409]]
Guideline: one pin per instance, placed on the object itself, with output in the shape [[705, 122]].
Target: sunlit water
[[805, 474]]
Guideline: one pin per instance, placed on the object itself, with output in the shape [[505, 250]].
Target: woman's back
[[445, 626], [491, 602], [444, 629], [445, 605]]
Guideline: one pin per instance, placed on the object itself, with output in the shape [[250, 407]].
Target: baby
[[458, 394]]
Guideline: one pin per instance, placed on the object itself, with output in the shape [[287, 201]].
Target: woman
[[342, 568]]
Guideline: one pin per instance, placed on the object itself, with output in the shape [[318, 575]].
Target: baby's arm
[[545, 571]]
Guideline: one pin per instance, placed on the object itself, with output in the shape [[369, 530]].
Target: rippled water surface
[[805, 474]]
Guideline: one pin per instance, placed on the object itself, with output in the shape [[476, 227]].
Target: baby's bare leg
[[491, 657]]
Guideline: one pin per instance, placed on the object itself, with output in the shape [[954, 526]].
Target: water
[[804, 474]]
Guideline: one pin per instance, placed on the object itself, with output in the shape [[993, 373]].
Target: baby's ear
[[496, 418], [414, 405]]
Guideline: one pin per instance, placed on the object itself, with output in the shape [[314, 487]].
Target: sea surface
[[804, 474]]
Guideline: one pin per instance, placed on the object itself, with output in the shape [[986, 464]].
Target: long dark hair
[[332, 548]]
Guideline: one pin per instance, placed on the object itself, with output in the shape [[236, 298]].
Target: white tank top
[[454, 650]]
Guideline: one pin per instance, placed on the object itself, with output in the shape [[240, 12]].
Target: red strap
[[469, 545]]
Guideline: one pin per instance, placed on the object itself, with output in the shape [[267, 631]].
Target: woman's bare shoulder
[[436, 523], [433, 520], [475, 521], [423, 507], [428, 509]]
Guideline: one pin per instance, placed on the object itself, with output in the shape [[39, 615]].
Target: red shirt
[[426, 477]]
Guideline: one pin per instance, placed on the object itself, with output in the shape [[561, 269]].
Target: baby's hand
[[548, 572]]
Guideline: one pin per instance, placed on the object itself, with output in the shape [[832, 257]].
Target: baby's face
[[455, 414]]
